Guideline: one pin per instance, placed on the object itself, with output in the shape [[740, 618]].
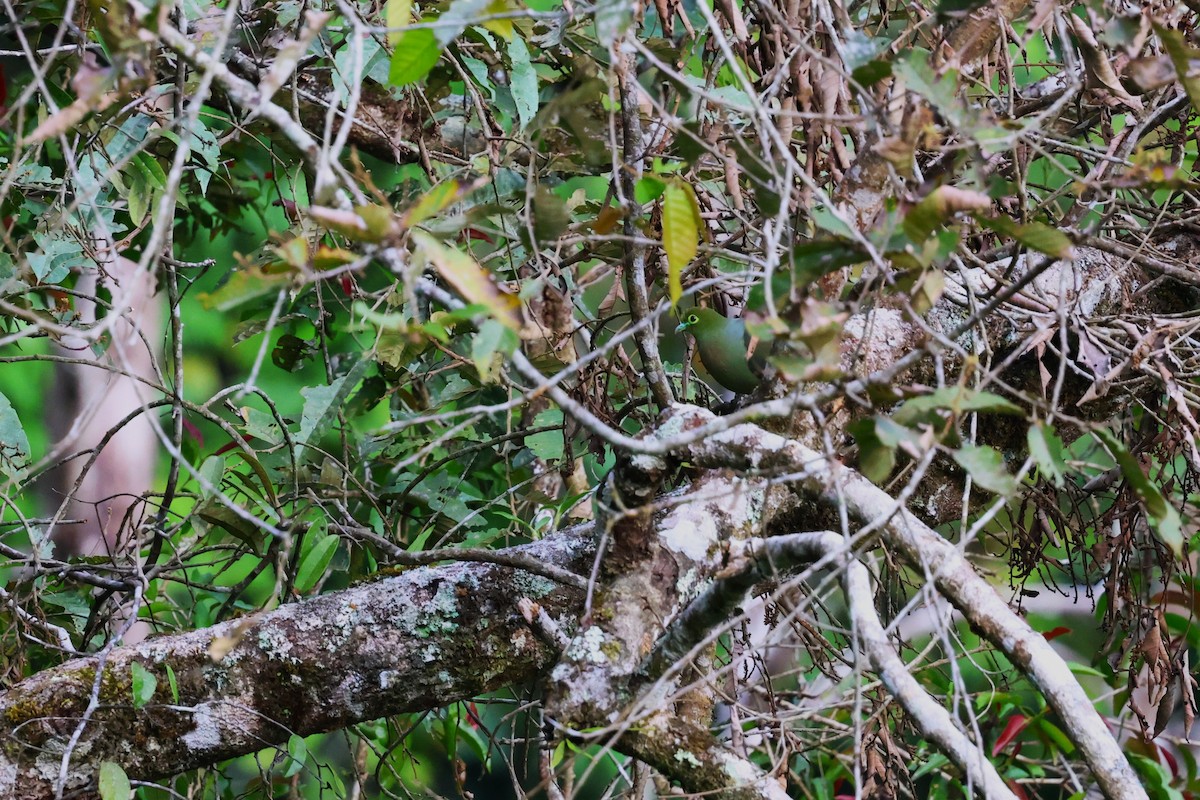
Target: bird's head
[[698, 320]]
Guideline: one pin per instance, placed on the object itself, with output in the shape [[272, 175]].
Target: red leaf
[[1051, 635], [230, 445], [1016, 723], [1017, 789], [1172, 763], [474, 234], [193, 431]]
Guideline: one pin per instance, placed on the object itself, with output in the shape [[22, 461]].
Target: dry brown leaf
[[1099, 65]]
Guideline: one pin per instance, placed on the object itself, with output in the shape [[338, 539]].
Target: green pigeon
[[723, 345]]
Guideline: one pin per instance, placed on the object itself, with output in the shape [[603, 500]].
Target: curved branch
[[751, 448], [761, 558]]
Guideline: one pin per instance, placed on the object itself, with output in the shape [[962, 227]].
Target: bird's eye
[[693, 319]]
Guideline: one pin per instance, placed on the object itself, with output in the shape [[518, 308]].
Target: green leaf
[[315, 561], [815, 258], [825, 219], [1046, 449], [1084, 670], [172, 683], [321, 403], [1155, 777], [416, 54], [1182, 57], [876, 459], [243, 286], [648, 189], [1053, 733], [397, 15], [866, 58], [612, 18], [986, 467], [1034, 235], [916, 68], [936, 209], [144, 683], [1162, 516], [955, 399], [547, 445], [129, 137], [60, 253], [144, 180], [681, 233], [522, 81], [493, 339], [114, 783], [431, 202], [14, 444], [297, 751], [211, 471]]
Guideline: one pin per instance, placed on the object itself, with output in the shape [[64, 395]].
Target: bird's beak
[[681, 327]]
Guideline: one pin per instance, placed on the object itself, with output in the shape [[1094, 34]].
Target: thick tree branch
[[419, 640]]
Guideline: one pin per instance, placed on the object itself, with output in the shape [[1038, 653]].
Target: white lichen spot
[[389, 678], [276, 645], [588, 647], [689, 531], [431, 653], [739, 769], [647, 463], [207, 733], [933, 503], [684, 757], [688, 581], [562, 672], [8, 778], [746, 503]]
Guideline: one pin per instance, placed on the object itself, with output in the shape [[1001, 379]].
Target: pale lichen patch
[[689, 531], [588, 647], [207, 733], [739, 770]]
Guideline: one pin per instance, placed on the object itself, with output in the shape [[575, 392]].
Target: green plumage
[[723, 344]]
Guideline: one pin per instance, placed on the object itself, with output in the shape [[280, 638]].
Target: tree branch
[[750, 448], [419, 640]]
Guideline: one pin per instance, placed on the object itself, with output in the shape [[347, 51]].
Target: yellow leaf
[[472, 282], [431, 203], [501, 27], [293, 252], [606, 220], [681, 233], [366, 223], [397, 15], [244, 285], [330, 257]]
